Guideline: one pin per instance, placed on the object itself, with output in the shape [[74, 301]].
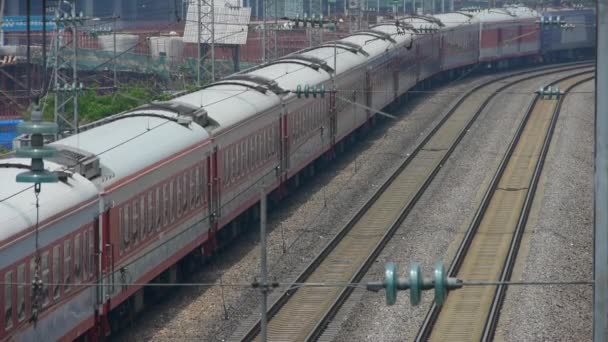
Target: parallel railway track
[[301, 314], [489, 248]]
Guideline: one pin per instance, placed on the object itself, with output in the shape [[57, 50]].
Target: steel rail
[[492, 321], [432, 316], [331, 308]]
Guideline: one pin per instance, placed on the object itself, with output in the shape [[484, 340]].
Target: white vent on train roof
[[76, 160]]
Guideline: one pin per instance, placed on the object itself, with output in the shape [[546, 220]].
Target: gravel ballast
[[436, 225], [559, 237]]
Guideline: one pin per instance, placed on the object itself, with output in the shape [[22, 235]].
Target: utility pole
[[205, 38], [269, 37], [66, 85], [1, 22], [44, 61], [600, 288], [263, 266], [29, 52], [115, 55], [198, 44]]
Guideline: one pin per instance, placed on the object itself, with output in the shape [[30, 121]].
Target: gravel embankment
[[559, 241], [434, 228]]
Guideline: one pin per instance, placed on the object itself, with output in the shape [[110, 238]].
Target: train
[[144, 190]]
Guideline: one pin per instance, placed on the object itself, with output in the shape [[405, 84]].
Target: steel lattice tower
[[65, 82], [203, 14], [269, 34]]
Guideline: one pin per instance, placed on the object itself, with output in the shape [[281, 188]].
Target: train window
[[67, 265], [8, 300], [185, 192], [121, 228], [172, 199], [135, 224], [142, 217], [192, 188], [178, 196], [243, 158], [150, 213], [21, 292], [233, 165], [226, 167], [45, 279], [85, 255], [77, 258], [273, 136], [165, 205], [158, 213], [126, 227], [197, 175], [267, 142], [201, 186], [91, 254], [259, 148], [263, 144], [254, 155], [237, 161], [56, 275]]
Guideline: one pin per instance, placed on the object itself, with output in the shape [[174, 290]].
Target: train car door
[[104, 268], [213, 200]]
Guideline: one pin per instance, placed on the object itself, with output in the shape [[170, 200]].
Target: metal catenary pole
[[600, 289], [29, 52], [75, 68], [115, 62], [198, 44], [263, 265], [44, 61]]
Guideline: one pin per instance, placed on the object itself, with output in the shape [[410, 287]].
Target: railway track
[[489, 248], [300, 314]]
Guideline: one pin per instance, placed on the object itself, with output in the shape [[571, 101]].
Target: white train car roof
[[522, 11], [345, 59], [128, 143], [422, 22], [230, 102], [17, 201], [494, 15], [453, 20], [379, 40]]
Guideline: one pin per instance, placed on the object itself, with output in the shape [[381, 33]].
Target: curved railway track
[[301, 314], [489, 248]]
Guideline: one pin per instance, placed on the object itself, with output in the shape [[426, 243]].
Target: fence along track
[[488, 251], [301, 314]]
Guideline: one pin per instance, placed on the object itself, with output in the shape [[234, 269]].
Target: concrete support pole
[[600, 288]]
